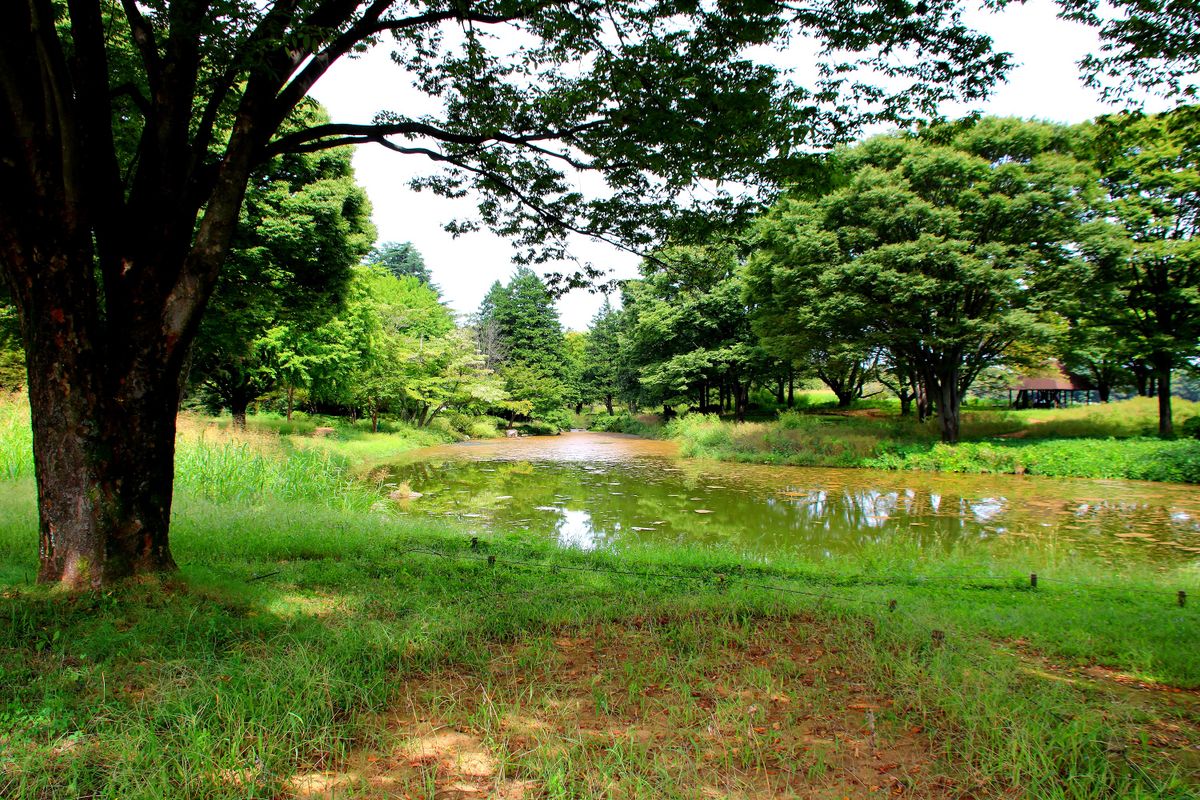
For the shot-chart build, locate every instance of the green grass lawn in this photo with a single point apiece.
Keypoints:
(317, 643)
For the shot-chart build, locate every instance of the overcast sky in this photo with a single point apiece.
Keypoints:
(1045, 85)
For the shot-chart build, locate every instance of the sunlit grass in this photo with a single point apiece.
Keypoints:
(312, 633)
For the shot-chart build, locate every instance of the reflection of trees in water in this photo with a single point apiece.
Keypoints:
(610, 504)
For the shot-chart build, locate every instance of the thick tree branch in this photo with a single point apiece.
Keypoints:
(345, 133)
(143, 38)
(270, 27)
(298, 87)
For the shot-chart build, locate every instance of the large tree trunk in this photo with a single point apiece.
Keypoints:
(112, 263)
(608, 403)
(948, 409)
(104, 454)
(1162, 377)
(237, 408)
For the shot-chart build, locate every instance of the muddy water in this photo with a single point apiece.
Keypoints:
(591, 490)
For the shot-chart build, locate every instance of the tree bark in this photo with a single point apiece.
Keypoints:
(608, 404)
(237, 408)
(104, 456)
(291, 400)
(1162, 377)
(948, 409)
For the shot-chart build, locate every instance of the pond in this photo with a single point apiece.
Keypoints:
(590, 490)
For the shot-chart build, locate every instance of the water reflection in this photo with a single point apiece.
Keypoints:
(592, 490)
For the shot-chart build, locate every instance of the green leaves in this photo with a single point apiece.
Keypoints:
(304, 224)
(935, 248)
(527, 346)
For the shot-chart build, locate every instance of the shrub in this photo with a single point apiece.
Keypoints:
(793, 420)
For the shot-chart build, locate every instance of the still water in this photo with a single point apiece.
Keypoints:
(591, 490)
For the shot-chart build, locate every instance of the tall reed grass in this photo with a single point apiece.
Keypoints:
(221, 465)
(16, 439)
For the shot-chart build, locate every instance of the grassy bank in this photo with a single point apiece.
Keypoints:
(303, 648)
(318, 644)
(1112, 441)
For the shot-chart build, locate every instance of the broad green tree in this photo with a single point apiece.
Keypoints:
(1145, 254)
(1097, 352)
(688, 332)
(942, 241)
(304, 224)
(448, 373)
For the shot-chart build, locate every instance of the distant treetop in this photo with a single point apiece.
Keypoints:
(400, 259)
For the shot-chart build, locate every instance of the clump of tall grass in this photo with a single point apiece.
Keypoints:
(646, 425)
(1011, 443)
(1135, 459)
(238, 472)
(219, 465)
(16, 439)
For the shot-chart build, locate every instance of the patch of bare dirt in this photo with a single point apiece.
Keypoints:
(656, 707)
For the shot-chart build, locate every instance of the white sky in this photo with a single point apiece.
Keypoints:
(1044, 85)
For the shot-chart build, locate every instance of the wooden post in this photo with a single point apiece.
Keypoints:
(491, 561)
(474, 542)
(1033, 580)
(1182, 598)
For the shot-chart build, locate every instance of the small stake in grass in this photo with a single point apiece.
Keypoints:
(1033, 580)
(938, 638)
(491, 561)
(474, 542)
(891, 605)
(1182, 598)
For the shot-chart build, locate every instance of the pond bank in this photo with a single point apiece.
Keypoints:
(1108, 442)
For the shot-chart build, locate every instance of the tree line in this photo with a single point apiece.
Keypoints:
(912, 263)
(918, 261)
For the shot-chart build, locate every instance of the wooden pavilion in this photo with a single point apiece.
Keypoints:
(1054, 391)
